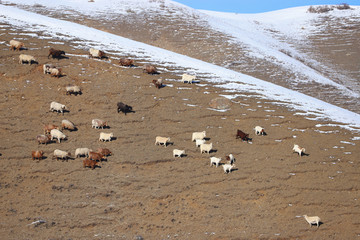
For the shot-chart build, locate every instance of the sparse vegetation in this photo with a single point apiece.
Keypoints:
(326, 8)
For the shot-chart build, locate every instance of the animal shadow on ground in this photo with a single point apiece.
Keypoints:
(60, 57)
(213, 151)
(88, 167)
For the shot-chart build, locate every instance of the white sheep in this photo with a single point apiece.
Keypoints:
(58, 107)
(198, 135)
(61, 154)
(95, 53)
(198, 142)
(215, 160)
(47, 67)
(230, 159)
(298, 149)
(16, 45)
(55, 133)
(66, 124)
(206, 148)
(73, 89)
(26, 58)
(259, 130)
(82, 152)
(106, 136)
(312, 220)
(98, 123)
(228, 167)
(188, 78)
(55, 72)
(162, 140)
(179, 153)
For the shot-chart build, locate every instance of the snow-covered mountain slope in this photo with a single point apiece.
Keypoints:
(316, 54)
(236, 83)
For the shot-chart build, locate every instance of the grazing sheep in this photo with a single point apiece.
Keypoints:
(82, 152)
(106, 136)
(58, 107)
(54, 53)
(198, 142)
(298, 149)
(179, 153)
(242, 135)
(16, 45)
(73, 89)
(90, 163)
(230, 159)
(104, 151)
(49, 127)
(215, 160)
(149, 69)
(96, 156)
(66, 124)
(43, 139)
(26, 58)
(55, 72)
(188, 78)
(198, 135)
(206, 148)
(122, 107)
(312, 220)
(228, 167)
(55, 133)
(259, 130)
(158, 83)
(162, 140)
(98, 123)
(126, 62)
(95, 53)
(61, 154)
(37, 155)
(47, 67)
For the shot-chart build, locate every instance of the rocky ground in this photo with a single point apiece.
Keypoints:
(142, 192)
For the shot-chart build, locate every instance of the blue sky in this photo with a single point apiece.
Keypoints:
(256, 6)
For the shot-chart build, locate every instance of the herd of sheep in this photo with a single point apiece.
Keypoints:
(92, 159)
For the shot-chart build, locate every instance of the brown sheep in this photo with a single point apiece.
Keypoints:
(126, 62)
(104, 151)
(149, 69)
(49, 127)
(89, 163)
(37, 155)
(54, 53)
(242, 135)
(96, 156)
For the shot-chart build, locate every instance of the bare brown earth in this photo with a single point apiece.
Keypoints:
(142, 192)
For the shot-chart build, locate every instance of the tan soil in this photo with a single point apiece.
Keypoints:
(142, 190)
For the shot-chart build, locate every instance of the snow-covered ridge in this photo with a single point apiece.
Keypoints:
(257, 31)
(101, 7)
(228, 79)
